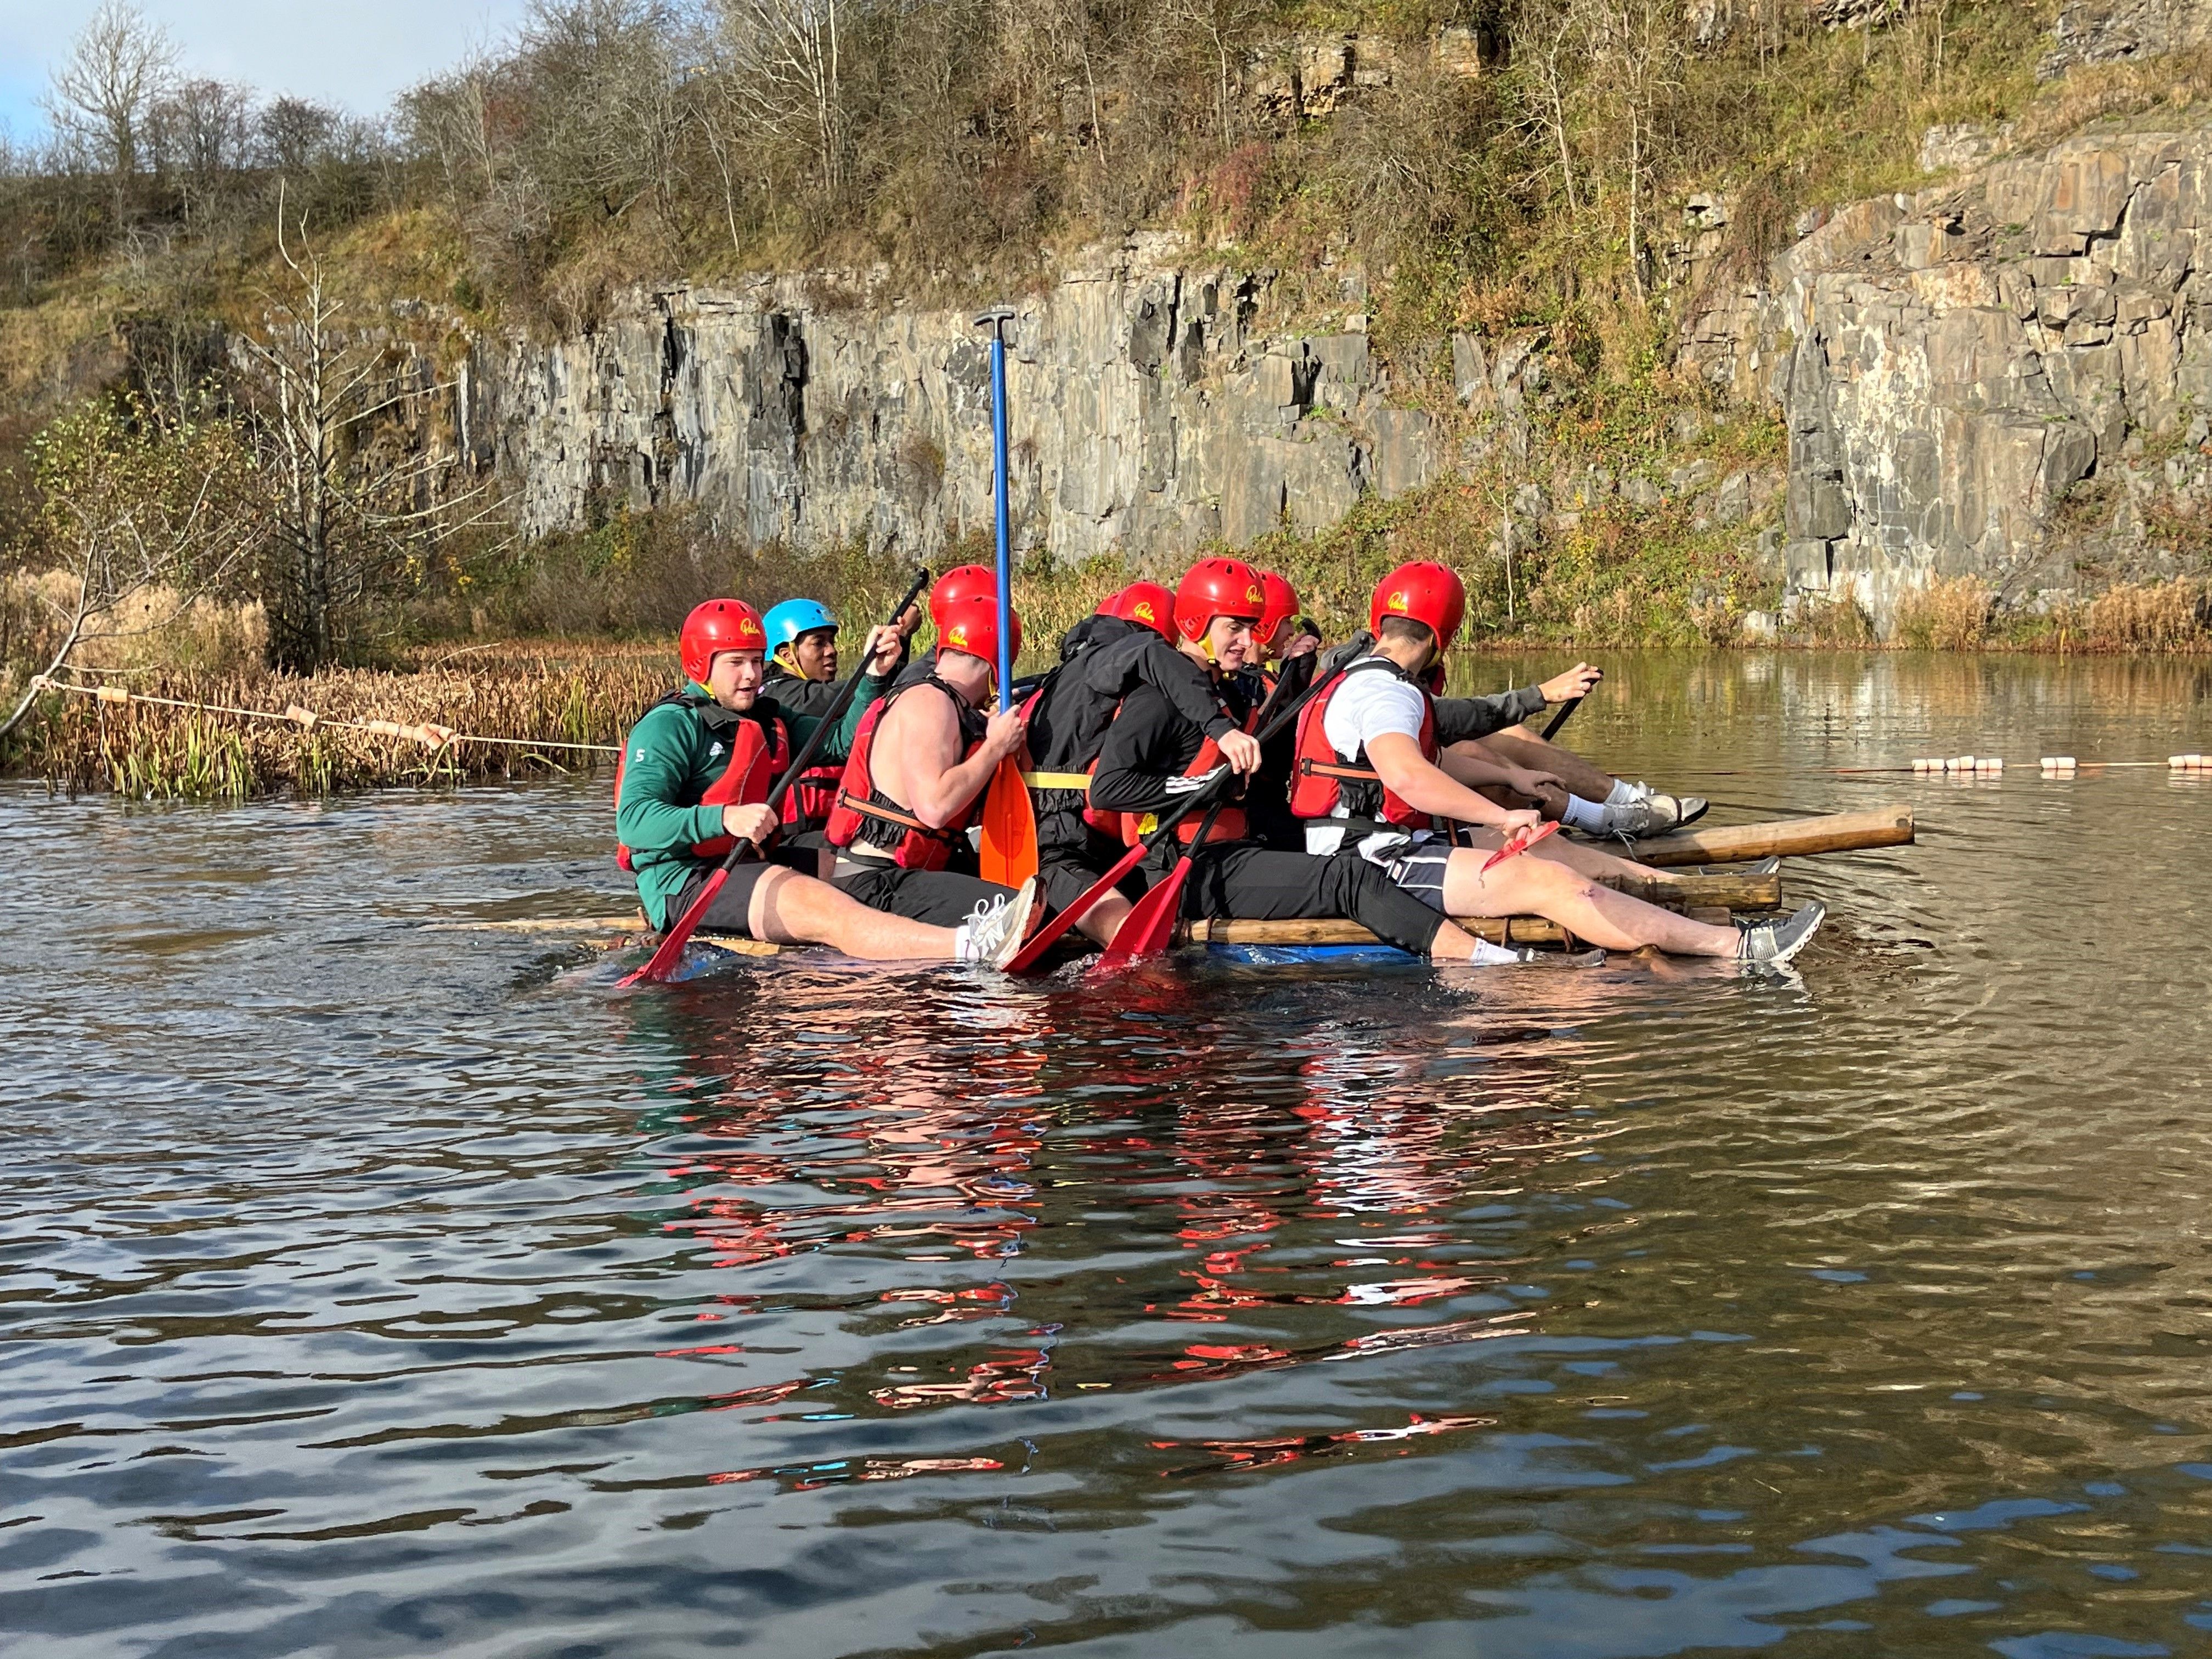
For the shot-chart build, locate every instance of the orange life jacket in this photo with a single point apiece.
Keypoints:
(1322, 777)
(863, 813)
(758, 757)
(1130, 828)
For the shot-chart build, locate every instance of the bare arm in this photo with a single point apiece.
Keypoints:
(924, 734)
(1397, 760)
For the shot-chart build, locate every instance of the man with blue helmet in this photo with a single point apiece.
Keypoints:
(802, 678)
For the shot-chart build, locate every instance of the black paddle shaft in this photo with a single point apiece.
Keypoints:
(1559, 720)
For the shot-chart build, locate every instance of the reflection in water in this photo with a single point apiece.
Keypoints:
(372, 1289)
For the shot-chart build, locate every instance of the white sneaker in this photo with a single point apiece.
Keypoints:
(996, 929)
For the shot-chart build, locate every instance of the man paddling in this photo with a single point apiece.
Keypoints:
(1154, 755)
(920, 764)
(696, 770)
(1104, 658)
(1373, 778)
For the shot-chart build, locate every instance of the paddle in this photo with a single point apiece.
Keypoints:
(1051, 934)
(672, 945)
(1007, 852)
(1552, 729)
(1149, 928)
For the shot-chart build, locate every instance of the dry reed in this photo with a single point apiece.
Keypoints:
(153, 750)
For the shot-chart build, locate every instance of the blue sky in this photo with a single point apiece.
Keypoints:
(347, 52)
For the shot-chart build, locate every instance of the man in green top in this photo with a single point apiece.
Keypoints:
(695, 775)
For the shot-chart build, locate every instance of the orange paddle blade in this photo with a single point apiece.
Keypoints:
(1008, 852)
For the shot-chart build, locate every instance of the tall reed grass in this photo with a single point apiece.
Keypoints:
(152, 751)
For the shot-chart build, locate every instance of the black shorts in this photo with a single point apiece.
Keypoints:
(944, 898)
(732, 906)
(1064, 876)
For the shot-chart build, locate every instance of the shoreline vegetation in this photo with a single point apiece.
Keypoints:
(533, 692)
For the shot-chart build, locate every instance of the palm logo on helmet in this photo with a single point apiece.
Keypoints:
(1423, 592)
(1217, 588)
(718, 627)
(971, 626)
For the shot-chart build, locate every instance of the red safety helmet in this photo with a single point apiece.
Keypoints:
(1145, 603)
(1217, 588)
(972, 626)
(1282, 604)
(717, 626)
(1424, 593)
(968, 582)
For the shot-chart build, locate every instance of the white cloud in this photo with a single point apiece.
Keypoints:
(356, 54)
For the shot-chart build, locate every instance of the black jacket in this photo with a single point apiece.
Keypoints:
(1111, 662)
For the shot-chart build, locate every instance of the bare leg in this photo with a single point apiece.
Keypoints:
(1529, 885)
(1102, 920)
(1585, 860)
(1452, 944)
(790, 908)
(1518, 746)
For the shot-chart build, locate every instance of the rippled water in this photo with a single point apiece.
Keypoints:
(373, 1288)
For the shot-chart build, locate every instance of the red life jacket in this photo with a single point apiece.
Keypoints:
(758, 756)
(812, 796)
(1230, 824)
(863, 813)
(1322, 777)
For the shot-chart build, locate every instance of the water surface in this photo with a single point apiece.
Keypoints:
(374, 1288)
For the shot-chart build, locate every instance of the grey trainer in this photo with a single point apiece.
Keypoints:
(1772, 944)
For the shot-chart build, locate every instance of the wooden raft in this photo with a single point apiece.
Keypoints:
(1710, 896)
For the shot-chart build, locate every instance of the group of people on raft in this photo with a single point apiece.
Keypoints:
(1383, 802)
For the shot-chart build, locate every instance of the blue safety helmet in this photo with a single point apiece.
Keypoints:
(787, 621)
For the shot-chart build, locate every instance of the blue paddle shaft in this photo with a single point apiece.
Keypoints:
(1006, 529)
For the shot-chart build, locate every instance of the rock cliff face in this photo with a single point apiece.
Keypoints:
(1950, 363)
(1149, 413)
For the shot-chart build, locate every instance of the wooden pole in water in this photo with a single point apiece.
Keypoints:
(1839, 832)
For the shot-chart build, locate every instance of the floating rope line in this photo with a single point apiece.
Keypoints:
(429, 734)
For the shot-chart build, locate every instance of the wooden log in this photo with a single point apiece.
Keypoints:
(1727, 890)
(742, 946)
(1507, 930)
(1839, 832)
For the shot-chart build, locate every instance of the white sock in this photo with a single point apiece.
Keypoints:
(1487, 955)
(1582, 816)
(964, 944)
(1624, 792)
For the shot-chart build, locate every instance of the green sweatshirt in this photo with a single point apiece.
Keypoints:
(672, 757)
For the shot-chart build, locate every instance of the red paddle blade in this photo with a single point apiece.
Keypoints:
(1149, 928)
(1054, 931)
(1008, 852)
(670, 956)
(1519, 841)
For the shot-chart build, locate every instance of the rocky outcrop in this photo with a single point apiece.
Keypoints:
(2115, 31)
(1151, 411)
(1951, 364)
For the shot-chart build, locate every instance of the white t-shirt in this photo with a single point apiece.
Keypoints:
(1368, 703)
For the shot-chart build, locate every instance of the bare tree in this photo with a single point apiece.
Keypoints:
(783, 71)
(343, 518)
(295, 135)
(133, 510)
(104, 91)
(200, 134)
